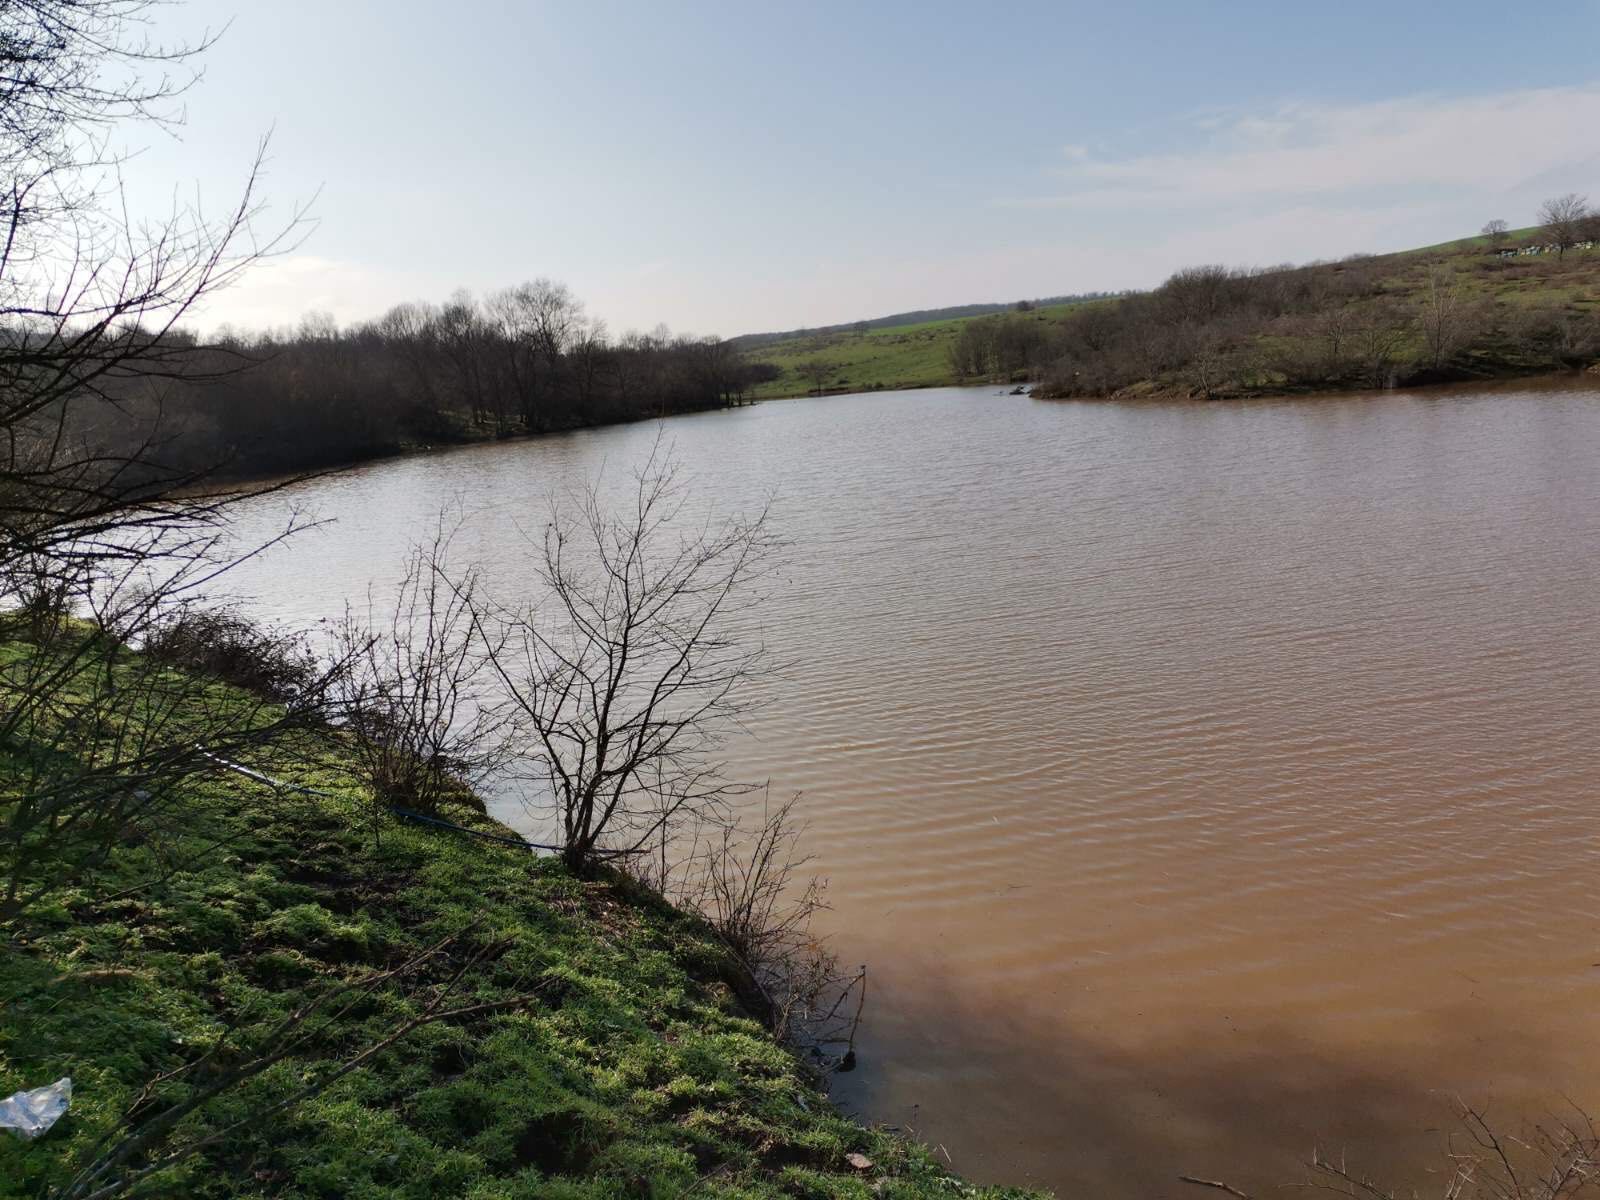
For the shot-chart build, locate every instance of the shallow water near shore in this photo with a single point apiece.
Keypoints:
(1202, 782)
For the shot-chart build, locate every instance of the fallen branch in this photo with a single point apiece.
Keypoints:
(1215, 1183)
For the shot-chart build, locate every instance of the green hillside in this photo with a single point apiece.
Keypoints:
(1532, 313)
(906, 356)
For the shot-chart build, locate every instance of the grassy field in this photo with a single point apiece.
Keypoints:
(1546, 278)
(918, 355)
(623, 1065)
(907, 356)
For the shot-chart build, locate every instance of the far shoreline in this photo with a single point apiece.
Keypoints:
(1575, 379)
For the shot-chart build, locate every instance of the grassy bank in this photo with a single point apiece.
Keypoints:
(621, 1064)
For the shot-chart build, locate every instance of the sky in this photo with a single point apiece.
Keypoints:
(727, 168)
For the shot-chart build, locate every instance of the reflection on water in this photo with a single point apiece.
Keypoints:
(1201, 782)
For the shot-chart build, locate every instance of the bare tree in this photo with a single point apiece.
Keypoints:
(817, 372)
(1496, 231)
(97, 523)
(1334, 328)
(1197, 295)
(1447, 317)
(587, 349)
(1380, 335)
(629, 673)
(1212, 358)
(1563, 220)
(539, 322)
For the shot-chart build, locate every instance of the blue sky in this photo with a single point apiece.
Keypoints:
(725, 168)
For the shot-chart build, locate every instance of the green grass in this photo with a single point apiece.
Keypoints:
(1479, 241)
(633, 1071)
(907, 356)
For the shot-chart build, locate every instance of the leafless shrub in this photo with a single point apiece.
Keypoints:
(411, 693)
(40, 593)
(1558, 333)
(756, 896)
(747, 878)
(1448, 317)
(224, 643)
(1377, 341)
(749, 885)
(1552, 1159)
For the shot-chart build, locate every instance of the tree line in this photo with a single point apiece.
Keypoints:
(1212, 328)
(1002, 346)
(526, 359)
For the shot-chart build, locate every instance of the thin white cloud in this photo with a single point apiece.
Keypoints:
(279, 290)
(1503, 143)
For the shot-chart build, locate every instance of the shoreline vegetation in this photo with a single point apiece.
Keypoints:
(594, 1041)
(528, 361)
(1506, 304)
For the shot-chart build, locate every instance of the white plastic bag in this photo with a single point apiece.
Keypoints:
(28, 1114)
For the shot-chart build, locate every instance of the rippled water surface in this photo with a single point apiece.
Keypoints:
(1201, 782)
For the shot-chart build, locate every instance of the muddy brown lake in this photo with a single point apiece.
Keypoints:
(1203, 783)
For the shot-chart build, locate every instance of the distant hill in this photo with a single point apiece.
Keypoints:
(921, 316)
(1455, 310)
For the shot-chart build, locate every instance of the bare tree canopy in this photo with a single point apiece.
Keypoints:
(630, 672)
(1563, 219)
(91, 295)
(69, 68)
(817, 372)
(1447, 317)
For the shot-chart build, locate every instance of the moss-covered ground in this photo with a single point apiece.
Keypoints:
(624, 1065)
